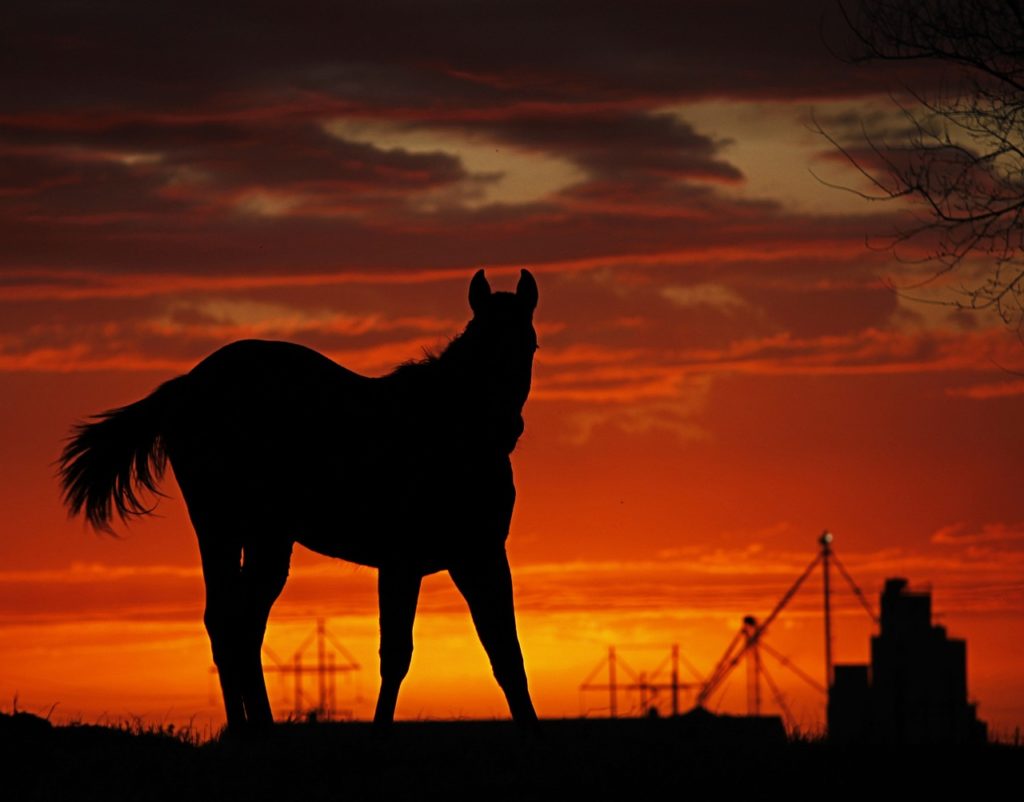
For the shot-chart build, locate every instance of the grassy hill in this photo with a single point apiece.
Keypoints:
(486, 760)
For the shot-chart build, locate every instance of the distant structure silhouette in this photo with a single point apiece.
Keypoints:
(331, 658)
(916, 690)
(273, 444)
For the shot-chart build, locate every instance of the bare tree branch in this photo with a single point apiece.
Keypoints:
(960, 158)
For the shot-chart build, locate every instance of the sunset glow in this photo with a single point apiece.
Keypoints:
(724, 368)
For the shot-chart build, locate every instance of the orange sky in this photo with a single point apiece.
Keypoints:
(723, 371)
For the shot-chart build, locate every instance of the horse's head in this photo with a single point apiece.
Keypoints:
(505, 341)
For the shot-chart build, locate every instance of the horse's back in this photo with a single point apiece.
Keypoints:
(257, 417)
(257, 363)
(274, 386)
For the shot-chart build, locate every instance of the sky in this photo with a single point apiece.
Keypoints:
(725, 368)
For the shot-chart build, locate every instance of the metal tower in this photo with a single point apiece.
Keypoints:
(648, 684)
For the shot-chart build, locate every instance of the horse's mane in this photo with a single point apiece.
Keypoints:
(433, 362)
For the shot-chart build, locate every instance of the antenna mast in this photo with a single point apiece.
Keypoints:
(826, 553)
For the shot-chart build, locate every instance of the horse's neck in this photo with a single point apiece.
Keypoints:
(452, 391)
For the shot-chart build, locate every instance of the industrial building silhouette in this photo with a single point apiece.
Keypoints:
(915, 690)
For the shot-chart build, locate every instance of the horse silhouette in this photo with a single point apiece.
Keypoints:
(273, 444)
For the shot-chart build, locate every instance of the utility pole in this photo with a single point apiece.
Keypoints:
(321, 664)
(647, 684)
(675, 679)
(751, 635)
(326, 668)
(826, 554)
(612, 685)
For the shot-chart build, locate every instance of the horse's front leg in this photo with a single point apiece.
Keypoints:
(486, 583)
(398, 589)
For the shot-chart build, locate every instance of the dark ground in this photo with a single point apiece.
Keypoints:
(626, 759)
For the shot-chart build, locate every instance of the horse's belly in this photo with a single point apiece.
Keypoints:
(426, 553)
(342, 548)
(428, 524)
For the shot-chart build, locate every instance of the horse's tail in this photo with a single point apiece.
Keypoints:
(106, 463)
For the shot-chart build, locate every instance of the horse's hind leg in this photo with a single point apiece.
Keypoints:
(239, 594)
(221, 573)
(264, 572)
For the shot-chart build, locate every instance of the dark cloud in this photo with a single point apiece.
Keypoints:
(199, 143)
(143, 167)
(594, 220)
(618, 144)
(391, 54)
(232, 153)
(78, 188)
(151, 138)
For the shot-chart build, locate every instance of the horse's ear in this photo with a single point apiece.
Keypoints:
(479, 292)
(526, 290)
